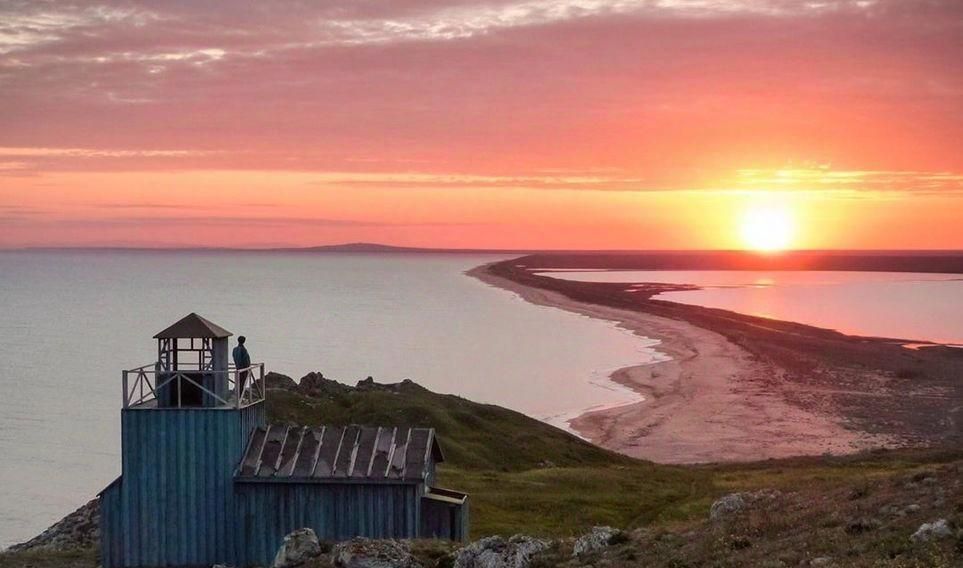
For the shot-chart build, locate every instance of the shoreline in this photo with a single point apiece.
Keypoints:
(715, 399)
(686, 415)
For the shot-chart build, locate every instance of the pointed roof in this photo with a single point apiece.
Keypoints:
(193, 325)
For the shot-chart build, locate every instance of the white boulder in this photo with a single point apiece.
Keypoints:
(594, 541)
(931, 531)
(727, 505)
(496, 552)
(367, 553)
(297, 548)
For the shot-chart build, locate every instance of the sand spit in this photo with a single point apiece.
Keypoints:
(712, 401)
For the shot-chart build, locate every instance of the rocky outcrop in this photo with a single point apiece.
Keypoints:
(278, 381)
(597, 539)
(726, 506)
(932, 531)
(406, 385)
(298, 547)
(80, 529)
(496, 552)
(314, 384)
(367, 553)
(733, 503)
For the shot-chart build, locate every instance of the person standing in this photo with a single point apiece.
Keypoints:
(242, 361)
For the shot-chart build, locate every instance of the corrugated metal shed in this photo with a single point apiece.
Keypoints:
(194, 326)
(335, 511)
(340, 453)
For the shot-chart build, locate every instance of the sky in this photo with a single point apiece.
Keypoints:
(592, 124)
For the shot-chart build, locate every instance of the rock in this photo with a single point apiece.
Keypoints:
(496, 552)
(405, 386)
(929, 531)
(727, 505)
(367, 553)
(298, 547)
(274, 380)
(594, 541)
(80, 529)
(912, 508)
(314, 384)
(821, 561)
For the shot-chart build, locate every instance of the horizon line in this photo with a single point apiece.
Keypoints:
(365, 247)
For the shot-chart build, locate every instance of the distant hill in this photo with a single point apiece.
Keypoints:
(357, 247)
(368, 247)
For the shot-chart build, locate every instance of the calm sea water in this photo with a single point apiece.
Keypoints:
(71, 321)
(926, 307)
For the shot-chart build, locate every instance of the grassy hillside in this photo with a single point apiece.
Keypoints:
(523, 475)
(527, 477)
(473, 435)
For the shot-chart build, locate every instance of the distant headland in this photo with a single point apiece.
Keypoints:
(944, 261)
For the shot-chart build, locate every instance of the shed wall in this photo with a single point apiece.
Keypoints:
(444, 520)
(336, 511)
(111, 547)
(176, 498)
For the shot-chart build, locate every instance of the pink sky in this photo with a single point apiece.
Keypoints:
(508, 123)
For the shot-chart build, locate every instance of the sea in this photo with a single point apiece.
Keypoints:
(71, 321)
(915, 307)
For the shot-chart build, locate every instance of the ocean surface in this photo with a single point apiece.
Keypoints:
(911, 306)
(71, 321)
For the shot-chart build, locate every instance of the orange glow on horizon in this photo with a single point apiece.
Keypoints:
(257, 209)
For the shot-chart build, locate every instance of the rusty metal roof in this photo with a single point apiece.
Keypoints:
(193, 325)
(339, 453)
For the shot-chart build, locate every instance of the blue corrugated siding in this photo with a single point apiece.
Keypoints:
(111, 548)
(175, 505)
(269, 511)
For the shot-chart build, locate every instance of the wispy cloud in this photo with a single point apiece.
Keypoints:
(659, 94)
(24, 217)
(41, 152)
(825, 178)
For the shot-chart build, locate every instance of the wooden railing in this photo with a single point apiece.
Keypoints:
(144, 385)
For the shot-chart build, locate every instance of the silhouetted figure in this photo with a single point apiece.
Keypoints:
(242, 360)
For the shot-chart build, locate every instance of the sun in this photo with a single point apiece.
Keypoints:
(767, 228)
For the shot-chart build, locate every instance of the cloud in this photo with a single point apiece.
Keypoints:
(827, 179)
(669, 93)
(28, 161)
(812, 179)
(31, 24)
(91, 153)
(46, 218)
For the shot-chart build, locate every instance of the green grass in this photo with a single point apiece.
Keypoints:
(472, 435)
(49, 559)
(526, 476)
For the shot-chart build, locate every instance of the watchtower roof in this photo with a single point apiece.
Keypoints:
(194, 326)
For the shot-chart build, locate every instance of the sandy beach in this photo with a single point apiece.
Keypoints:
(715, 399)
